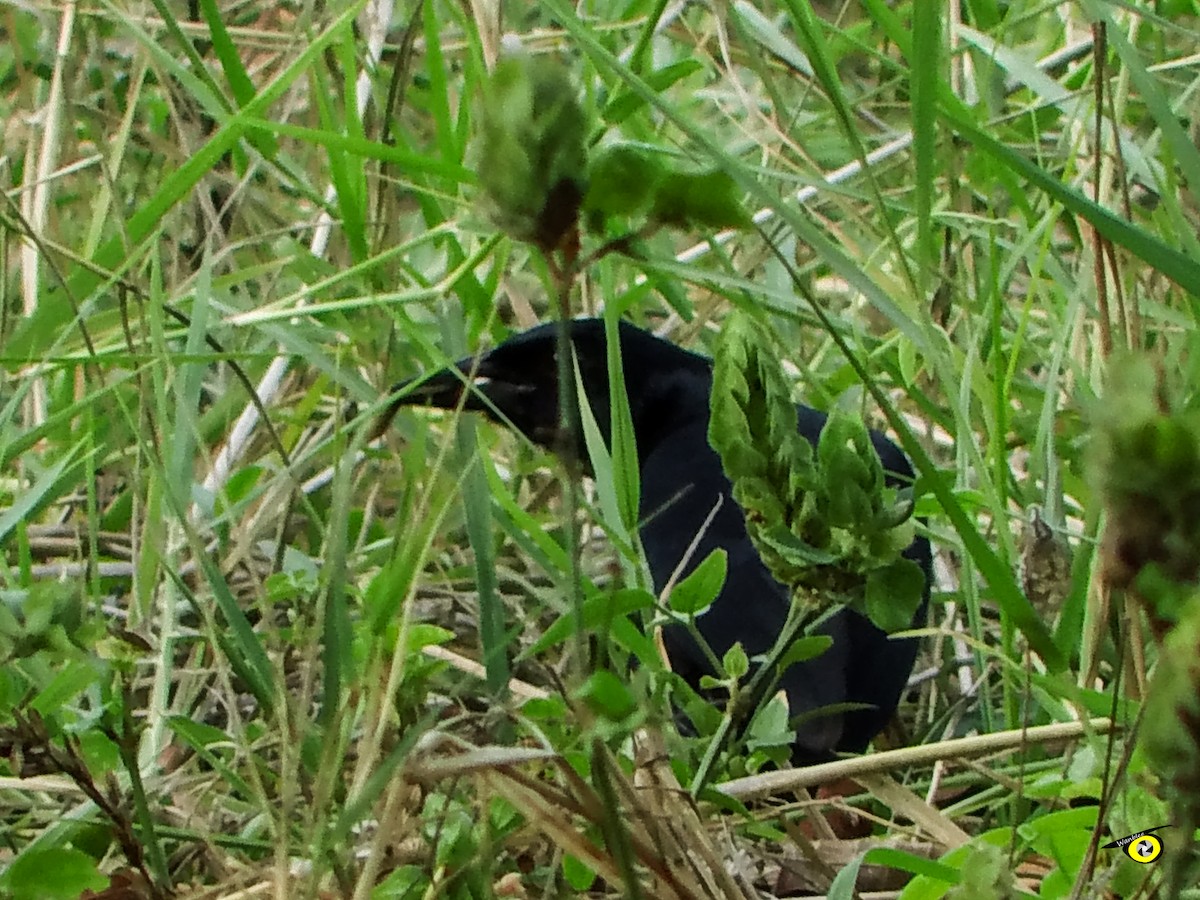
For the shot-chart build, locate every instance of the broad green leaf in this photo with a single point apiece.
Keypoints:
(893, 595)
(54, 873)
(700, 588)
(623, 180)
(607, 695)
(699, 200)
(735, 662)
(803, 649)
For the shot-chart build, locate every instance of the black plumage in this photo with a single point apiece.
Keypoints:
(681, 480)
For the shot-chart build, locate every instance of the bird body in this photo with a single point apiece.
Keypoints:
(682, 486)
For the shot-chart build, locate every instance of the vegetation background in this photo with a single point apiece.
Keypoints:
(236, 622)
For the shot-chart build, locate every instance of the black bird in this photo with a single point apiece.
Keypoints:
(681, 482)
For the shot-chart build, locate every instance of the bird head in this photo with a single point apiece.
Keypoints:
(516, 383)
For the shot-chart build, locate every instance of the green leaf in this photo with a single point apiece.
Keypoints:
(904, 861)
(845, 503)
(401, 884)
(42, 491)
(893, 594)
(345, 170)
(701, 587)
(577, 874)
(796, 551)
(241, 644)
(623, 180)
(709, 200)
(803, 649)
(69, 682)
(925, 79)
(426, 634)
(846, 455)
(360, 146)
(772, 39)
(56, 873)
(607, 695)
(625, 471)
(842, 886)
(896, 513)
(986, 874)
(625, 103)
(215, 747)
(769, 727)
(239, 80)
(618, 497)
(600, 610)
(735, 662)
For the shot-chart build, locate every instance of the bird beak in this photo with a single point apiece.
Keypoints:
(474, 383)
(442, 390)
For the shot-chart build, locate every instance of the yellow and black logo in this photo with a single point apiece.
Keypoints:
(1142, 846)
